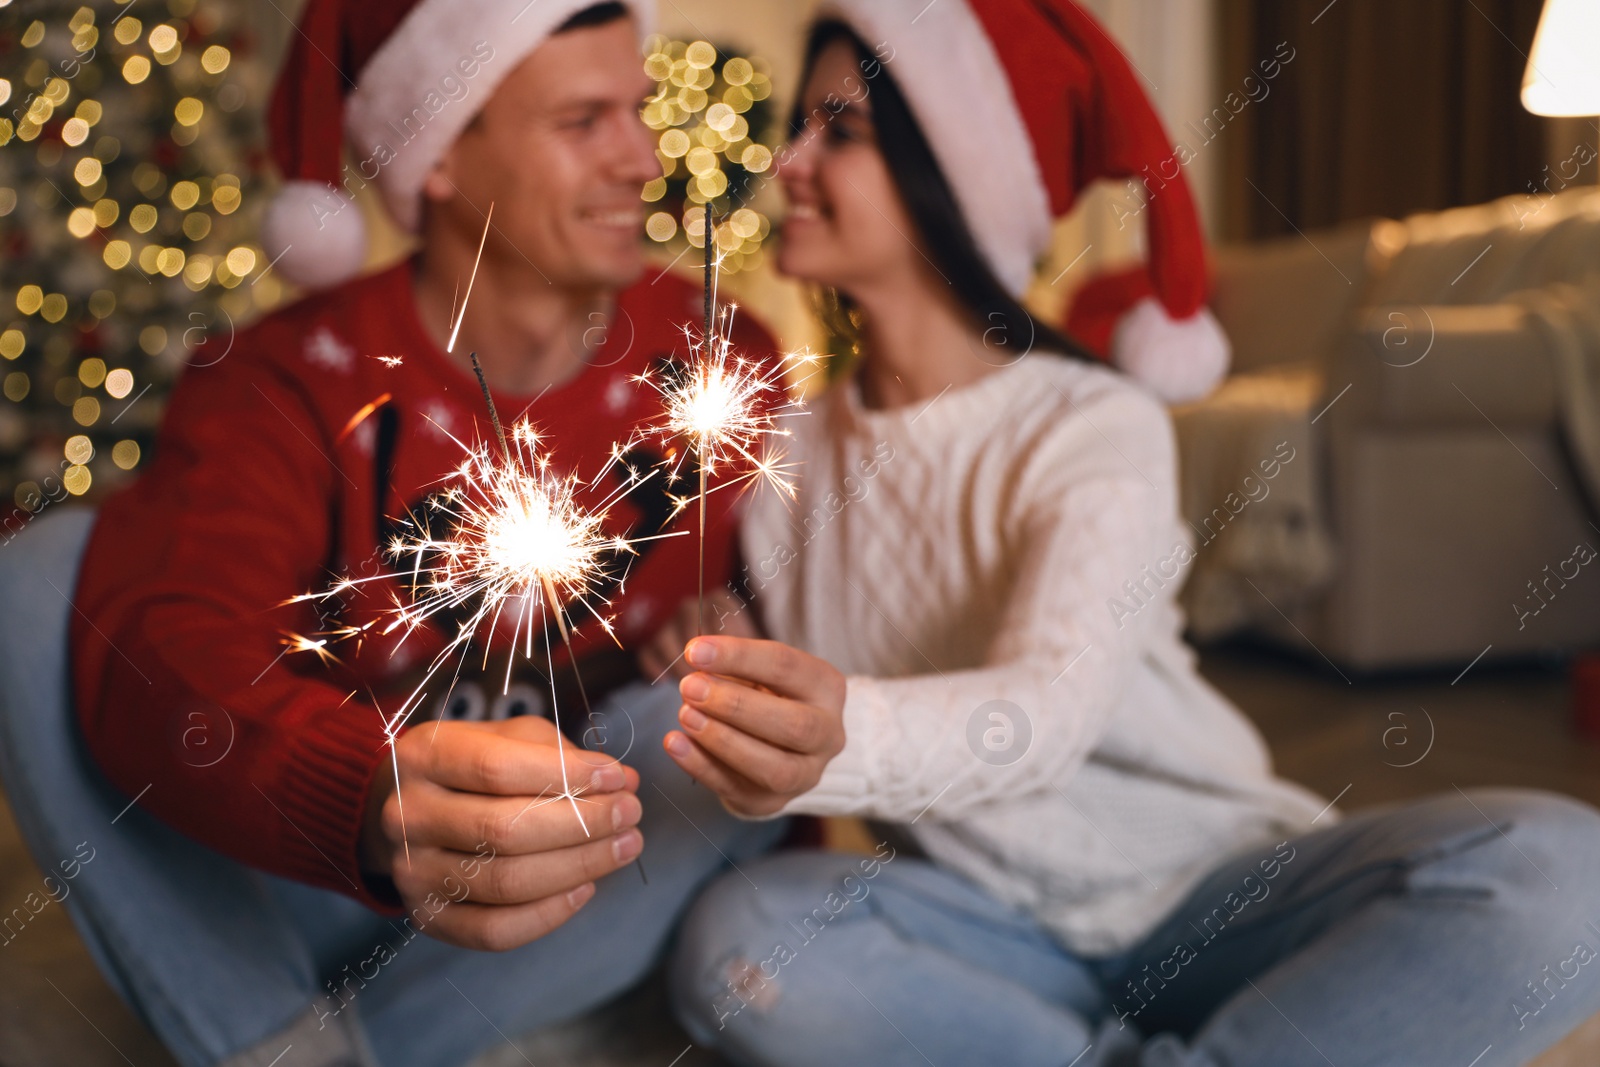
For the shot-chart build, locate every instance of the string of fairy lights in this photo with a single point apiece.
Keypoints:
(128, 170)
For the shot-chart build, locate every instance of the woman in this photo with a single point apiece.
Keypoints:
(1085, 857)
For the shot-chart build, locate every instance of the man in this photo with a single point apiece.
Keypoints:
(284, 466)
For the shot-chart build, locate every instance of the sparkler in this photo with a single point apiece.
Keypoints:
(724, 406)
(522, 542)
(520, 545)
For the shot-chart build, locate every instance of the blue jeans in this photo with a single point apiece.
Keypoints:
(1459, 930)
(218, 958)
(411, 1013)
(221, 961)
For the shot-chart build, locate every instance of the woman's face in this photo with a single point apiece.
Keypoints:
(847, 227)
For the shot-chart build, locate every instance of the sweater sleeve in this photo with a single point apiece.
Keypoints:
(184, 698)
(1093, 505)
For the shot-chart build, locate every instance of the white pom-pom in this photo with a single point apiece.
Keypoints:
(314, 235)
(1177, 359)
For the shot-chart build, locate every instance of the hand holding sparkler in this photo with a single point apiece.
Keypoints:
(522, 544)
(761, 721)
(485, 828)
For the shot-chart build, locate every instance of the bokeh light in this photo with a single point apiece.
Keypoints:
(214, 60)
(128, 139)
(703, 110)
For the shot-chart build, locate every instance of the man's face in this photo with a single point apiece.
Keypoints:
(562, 153)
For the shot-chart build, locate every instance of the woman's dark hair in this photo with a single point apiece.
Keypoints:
(946, 236)
(594, 15)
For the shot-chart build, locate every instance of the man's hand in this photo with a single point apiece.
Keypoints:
(489, 832)
(762, 727)
(726, 614)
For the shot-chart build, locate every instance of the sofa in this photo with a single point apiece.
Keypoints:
(1401, 469)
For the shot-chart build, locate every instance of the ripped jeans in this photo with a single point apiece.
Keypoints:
(1458, 931)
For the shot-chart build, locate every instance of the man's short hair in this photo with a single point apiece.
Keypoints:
(595, 15)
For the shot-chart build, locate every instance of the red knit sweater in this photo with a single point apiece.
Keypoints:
(259, 490)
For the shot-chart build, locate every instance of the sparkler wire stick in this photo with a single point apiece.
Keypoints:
(710, 270)
(709, 230)
(716, 405)
(700, 600)
(549, 591)
(494, 414)
(708, 341)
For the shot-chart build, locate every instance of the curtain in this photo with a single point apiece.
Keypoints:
(1385, 108)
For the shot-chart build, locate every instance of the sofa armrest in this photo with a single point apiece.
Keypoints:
(1410, 366)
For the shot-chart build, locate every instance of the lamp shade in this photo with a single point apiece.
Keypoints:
(1563, 75)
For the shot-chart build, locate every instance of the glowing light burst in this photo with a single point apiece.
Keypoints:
(534, 534)
(724, 408)
(521, 543)
(517, 530)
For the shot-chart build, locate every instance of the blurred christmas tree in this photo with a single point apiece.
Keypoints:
(126, 160)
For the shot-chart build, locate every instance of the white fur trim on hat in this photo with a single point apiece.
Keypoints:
(961, 95)
(1177, 359)
(313, 234)
(404, 115)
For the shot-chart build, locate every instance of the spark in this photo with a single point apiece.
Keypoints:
(456, 329)
(390, 361)
(363, 413)
(319, 646)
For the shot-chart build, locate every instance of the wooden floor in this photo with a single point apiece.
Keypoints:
(1367, 741)
(1379, 740)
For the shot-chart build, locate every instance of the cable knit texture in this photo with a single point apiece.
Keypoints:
(1017, 540)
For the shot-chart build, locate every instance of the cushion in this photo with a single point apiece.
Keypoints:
(1290, 300)
(1414, 366)
(1480, 254)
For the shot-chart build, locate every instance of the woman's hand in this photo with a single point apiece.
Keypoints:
(761, 720)
(725, 614)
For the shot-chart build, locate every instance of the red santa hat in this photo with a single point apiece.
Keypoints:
(1054, 104)
(397, 82)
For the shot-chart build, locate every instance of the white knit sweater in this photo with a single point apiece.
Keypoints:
(1017, 540)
